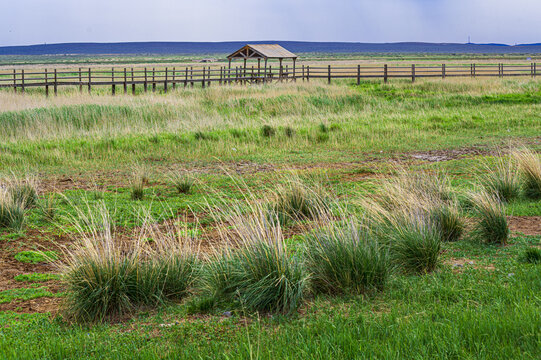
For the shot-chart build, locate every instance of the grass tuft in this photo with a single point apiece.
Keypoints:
(530, 171)
(258, 274)
(531, 256)
(491, 226)
(181, 182)
(501, 179)
(267, 131)
(346, 259)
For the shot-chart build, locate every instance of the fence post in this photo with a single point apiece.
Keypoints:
(89, 80)
(534, 69)
(191, 75)
(474, 72)
(174, 83)
(165, 82)
(14, 80)
(113, 86)
(125, 84)
(443, 71)
(186, 78)
(329, 74)
(153, 79)
(22, 81)
(502, 71)
(132, 83)
(210, 74)
(413, 73)
(385, 73)
(80, 81)
(307, 73)
(221, 75)
(46, 83)
(145, 84)
(471, 70)
(55, 85)
(203, 81)
(358, 74)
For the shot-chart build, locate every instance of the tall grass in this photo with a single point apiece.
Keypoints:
(491, 223)
(501, 178)
(16, 196)
(107, 276)
(295, 200)
(345, 258)
(255, 272)
(530, 170)
(12, 213)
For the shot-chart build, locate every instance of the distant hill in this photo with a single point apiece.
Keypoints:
(202, 48)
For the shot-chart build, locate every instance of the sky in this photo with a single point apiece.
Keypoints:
(26, 22)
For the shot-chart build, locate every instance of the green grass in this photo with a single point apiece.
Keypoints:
(35, 257)
(255, 302)
(36, 277)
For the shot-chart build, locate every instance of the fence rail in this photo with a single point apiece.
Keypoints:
(86, 78)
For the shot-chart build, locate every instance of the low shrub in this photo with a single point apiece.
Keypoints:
(289, 132)
(345, 259)
(491, 226)
(530, 171)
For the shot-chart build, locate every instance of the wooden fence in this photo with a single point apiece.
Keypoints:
(166, 78)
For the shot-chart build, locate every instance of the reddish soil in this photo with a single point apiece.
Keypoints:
(527, 225)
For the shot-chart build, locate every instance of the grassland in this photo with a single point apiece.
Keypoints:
(481, 302)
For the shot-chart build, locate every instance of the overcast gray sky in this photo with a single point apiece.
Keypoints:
(51, 21)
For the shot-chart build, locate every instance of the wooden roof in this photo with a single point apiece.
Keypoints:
(265, 51)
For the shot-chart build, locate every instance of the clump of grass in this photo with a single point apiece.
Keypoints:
(258, 274)
(12, 213)
(267, 131)
(137, 191)
(448, 220)
(289, 132)
(181, 181)
(107, 277)
(530, 171)
(415, 243)
(296, 200)
(531, 255)
(491, 226)
(501, 179)
(346, 259)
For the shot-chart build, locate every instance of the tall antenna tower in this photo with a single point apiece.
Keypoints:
(469, 39)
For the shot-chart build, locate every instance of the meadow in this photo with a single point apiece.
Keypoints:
(285, 220)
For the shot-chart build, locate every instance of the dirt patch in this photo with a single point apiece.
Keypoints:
(459, 264)
(527, 225)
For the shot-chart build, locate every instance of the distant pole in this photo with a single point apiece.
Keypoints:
(329, 74)
(165, 82)
(132, 83)
(145, 84)
(89, 80)
(80, 81)
(55, 85)
(125, 85)
(113, 86)
(46, 83)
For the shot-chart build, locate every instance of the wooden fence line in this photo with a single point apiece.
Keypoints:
(23, 79)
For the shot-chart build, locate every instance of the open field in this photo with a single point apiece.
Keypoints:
(215, 166)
